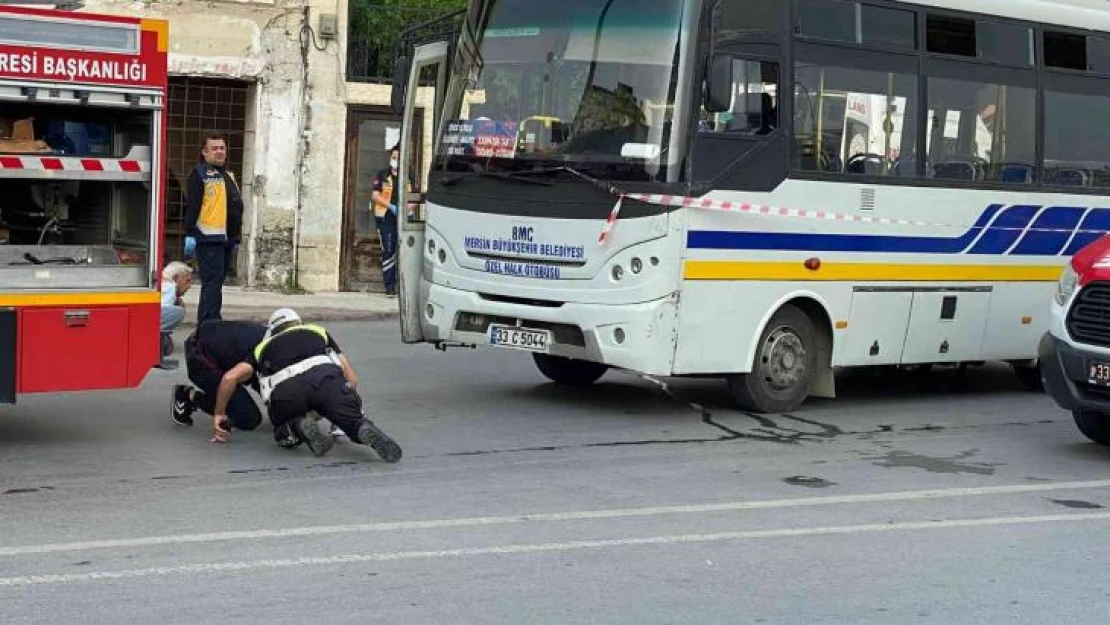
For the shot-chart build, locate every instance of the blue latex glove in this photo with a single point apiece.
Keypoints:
(190, 246)
(393, 209)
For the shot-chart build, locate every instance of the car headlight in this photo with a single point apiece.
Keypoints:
(1066, 285)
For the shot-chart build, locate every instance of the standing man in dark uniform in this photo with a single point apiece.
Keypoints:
(213, 223)
(212, 350)
(301, 369)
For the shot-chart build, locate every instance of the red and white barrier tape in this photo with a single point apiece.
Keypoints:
(55, 163)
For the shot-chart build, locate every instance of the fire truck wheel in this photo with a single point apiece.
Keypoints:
(1094, 425)
(784, 366)
(1030, 377)
(569, 372)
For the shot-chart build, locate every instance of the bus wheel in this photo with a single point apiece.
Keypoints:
(1029, 377)
(569, 372)
(785, 363)
(1094, 425)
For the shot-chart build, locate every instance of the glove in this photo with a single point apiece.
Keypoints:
(190, 246)
(393, 209)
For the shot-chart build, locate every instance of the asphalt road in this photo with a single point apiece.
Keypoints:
(942, 499)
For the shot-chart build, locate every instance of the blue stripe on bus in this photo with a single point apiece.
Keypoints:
(1001, 234)
(1092, 228)
(990, 235)
(1037, 242)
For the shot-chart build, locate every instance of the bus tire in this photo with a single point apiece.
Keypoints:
(784, 365)
(1029, 376)
(1093, 424)
(569, 372)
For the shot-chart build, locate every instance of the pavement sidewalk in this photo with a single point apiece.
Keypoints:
(252, 305)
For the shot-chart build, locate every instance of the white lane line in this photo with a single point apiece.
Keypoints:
(221, 567)
(585, 515)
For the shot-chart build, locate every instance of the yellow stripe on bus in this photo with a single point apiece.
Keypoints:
(77, 299)
(868, 272)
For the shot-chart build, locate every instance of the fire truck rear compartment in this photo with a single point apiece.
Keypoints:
(75, 203)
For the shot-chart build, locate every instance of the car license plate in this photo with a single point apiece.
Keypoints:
(519, 338)
(1098, 373)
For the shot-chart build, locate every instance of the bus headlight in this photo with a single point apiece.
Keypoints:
(1066, 285)
(637, 265)
(618, 273)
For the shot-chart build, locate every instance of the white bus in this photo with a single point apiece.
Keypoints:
(803, 185)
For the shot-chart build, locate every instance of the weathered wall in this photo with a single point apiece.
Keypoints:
(260, 41)
(293, 170)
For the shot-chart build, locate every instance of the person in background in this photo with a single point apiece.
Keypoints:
(383, 201)
(213, 223)
(177, 277)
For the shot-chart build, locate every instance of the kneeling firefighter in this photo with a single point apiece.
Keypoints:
(301, 369)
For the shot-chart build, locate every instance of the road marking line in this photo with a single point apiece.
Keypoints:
(585, 515)
(218, 567)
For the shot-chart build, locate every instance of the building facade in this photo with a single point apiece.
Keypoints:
(304, 138)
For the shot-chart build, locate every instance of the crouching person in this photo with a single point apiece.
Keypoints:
(301, 369)
(213, 349)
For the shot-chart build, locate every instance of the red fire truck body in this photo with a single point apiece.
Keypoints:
(82, 189)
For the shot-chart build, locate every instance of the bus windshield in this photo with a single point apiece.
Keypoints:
(583, 83)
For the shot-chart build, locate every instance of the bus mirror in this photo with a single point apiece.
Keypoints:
(400, 82)
(719, 84)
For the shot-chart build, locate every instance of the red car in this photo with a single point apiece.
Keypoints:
(1075, 352)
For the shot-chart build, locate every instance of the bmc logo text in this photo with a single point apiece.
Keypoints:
(523, 233)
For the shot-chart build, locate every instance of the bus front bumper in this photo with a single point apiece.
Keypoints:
(638, 337)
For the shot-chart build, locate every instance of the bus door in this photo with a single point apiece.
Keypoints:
(427, 79)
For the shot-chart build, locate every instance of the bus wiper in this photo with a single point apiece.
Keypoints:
(599, 184)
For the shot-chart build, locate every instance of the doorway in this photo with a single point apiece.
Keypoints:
(195, 108)
(371, 132)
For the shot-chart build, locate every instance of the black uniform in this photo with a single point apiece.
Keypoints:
(213, 349)
(323, 388)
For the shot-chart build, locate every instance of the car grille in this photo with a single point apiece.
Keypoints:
(1089, 318)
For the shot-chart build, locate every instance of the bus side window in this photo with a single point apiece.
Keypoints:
(754, 108)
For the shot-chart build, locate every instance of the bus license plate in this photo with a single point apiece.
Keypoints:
(519, 338)
(1098, 373)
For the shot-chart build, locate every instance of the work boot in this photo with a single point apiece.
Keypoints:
(182, 406)
(285, 438)
(386, 447)
(317, 441)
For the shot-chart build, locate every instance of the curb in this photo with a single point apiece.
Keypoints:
(262, 315)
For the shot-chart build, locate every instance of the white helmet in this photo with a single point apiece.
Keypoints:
(282, 316)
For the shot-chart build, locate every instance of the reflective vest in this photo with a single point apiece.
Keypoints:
(267, 384)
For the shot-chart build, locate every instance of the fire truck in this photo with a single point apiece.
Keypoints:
(82, 184)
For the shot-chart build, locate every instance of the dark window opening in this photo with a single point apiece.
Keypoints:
(950, 35)
(1065, 50)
